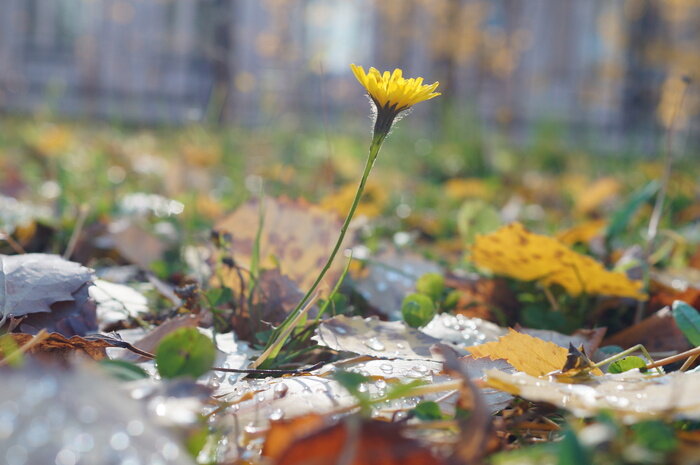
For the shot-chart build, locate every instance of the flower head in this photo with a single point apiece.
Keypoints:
(392, 94)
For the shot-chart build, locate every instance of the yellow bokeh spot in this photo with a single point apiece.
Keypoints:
(372, 204)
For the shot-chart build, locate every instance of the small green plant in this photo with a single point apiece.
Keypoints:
(185, 352)
(417, 310)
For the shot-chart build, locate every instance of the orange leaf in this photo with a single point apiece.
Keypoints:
(354, 441)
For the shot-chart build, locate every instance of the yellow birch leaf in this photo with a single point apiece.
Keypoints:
(516, 252)
(526, 353)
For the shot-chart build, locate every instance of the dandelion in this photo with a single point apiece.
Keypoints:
(391, 95)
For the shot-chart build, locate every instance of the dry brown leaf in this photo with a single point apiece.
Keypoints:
(296, 237)
(57, 346)
(136, 244)
(274, 296)
(516, 252)
(526, 353)
(478, 298)
(658, 333)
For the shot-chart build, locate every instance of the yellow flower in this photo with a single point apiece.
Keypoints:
(392, 94)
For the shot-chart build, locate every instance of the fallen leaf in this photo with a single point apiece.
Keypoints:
(283, 433)
(369, 336)
(49, 291)
(475, 429)
(149, 342)
(670, 285)
(135, 243)
(484, 298)
(476, 368)
(389, 276)
(658, 333)
(296, 237)
(352, 441)
(274, 297)
(526, 353)
(590, 339)
(463, 331)
(516, 252)
(57, 346)
(116, 302)
(630, 395)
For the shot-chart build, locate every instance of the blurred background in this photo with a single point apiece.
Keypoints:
(553, 112)
(603, 71)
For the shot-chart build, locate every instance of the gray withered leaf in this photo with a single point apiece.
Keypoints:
(36, 283)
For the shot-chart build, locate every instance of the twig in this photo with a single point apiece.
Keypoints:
(687, 364)
(260, 371)
(79, 223)
(624, 353)
(674, 358)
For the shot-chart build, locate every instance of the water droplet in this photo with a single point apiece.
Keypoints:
(362, 388)
(422, 369)
(374, 344)
(380, 384)
(276, 414)
(280, 390)
(340, 330)
(386, 368)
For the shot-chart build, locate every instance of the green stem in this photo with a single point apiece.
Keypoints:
(373, 153)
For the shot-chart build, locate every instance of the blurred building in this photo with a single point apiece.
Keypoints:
(596, 66)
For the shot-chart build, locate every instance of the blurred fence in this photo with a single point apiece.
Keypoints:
(606, 67)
